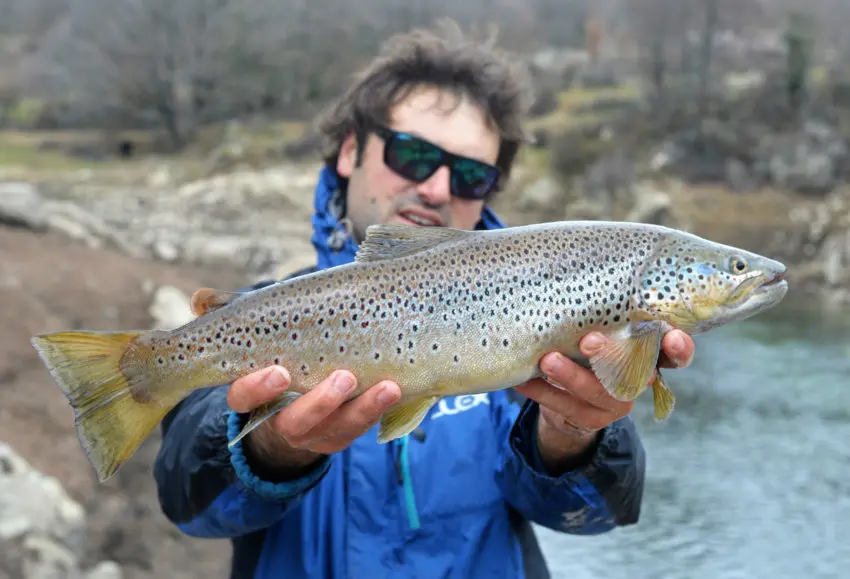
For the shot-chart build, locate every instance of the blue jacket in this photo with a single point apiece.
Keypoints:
(451, 500)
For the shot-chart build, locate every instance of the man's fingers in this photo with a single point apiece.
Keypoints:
(294, 421)
(572, 411)
(252, 390)
(677, 350)
(580, 382)
(353, 419)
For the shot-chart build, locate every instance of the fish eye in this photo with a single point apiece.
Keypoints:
(738, 265)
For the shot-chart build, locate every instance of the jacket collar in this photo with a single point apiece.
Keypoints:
(334, 246)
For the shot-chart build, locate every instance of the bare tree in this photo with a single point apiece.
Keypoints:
(170, 63)
(30, 17)
(676, 42)
(658, 32)
(179, 64)
(709, 30)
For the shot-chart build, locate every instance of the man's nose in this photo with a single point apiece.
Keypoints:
(437, 189)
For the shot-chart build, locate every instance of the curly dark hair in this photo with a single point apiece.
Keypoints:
(495, 80)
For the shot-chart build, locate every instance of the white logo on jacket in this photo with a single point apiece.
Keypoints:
(458, 404)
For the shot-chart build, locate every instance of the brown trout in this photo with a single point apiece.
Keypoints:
(440, 311)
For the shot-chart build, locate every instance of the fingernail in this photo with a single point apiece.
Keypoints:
(343, 383)
(552, 364)
(677, 344)
(276, 379)
(385, 397)
(592, 343)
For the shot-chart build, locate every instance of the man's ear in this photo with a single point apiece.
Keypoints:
(347, 159)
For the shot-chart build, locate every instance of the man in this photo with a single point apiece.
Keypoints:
(311, 493)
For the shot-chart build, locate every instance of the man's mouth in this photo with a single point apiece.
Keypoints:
(422, 217)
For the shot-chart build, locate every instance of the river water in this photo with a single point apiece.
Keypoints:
(750, 476)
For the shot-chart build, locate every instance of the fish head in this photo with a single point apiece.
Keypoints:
(696, 285)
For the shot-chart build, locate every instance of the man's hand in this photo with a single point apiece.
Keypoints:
(319, 422)
(574, 412)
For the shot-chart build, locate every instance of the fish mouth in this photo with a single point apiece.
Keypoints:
(777, 279)
(759, 292)
(765, 295)
(758, 285)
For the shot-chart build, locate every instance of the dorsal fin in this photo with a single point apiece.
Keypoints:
(390, 241)
(207, 299)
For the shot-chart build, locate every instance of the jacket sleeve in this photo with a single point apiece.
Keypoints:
(594, 498)
(208, 489)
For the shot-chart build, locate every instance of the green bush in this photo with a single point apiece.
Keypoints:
(574, 151)
(26, 113)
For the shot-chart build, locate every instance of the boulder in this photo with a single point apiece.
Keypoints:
(22, 205)
(42, 530)
(256, 219)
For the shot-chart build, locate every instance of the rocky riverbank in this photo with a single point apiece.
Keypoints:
(254, 220)
(258, 221)
(49, 282)
(81, 253)
(42, 530)
(819, 246)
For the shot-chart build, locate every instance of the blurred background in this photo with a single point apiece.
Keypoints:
(151, 147)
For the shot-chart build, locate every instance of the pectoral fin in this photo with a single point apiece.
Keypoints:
(404, 418)
(663, 399)
(625, 365)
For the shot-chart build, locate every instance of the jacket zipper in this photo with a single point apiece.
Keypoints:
(404, 479)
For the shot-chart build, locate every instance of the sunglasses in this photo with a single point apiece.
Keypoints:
(416, 159)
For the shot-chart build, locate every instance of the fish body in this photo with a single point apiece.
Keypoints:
(440, 311)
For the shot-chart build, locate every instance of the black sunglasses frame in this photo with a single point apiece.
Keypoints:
(447, 158)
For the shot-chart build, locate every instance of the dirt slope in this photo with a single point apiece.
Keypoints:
(48, 283)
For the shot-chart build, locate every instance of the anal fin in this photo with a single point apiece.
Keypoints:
(404, 418)
(625, 365)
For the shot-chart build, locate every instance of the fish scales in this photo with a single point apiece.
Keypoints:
(474, 316)
(439, 311)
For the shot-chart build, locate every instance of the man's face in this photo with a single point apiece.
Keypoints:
(376, 194)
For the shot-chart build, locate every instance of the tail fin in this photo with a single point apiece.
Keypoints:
(111, 424)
